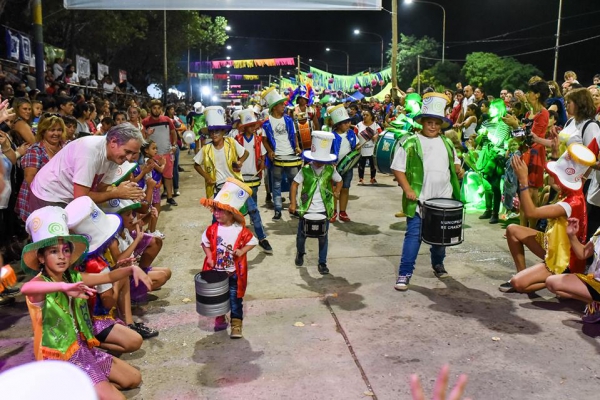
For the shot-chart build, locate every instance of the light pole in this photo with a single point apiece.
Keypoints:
(326, 65)
(358, 32)
(554, 75)
(443, 22)
(347, 58)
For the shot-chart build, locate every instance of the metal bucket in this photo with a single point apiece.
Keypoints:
(212, 293)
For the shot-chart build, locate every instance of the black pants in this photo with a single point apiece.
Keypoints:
(492, 199)
(361, 167)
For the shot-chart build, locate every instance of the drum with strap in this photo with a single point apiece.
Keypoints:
(212, 293)
(348, 162)
(442, 222)
(314, 225)
(251, 180)
(287, 161)
(304, 131)
(385, 149)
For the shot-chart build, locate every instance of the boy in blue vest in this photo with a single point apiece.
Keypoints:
(317, 195)
(426, 167)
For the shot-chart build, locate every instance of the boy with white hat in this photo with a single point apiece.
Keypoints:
(223, 159)
(426, 167)
(317, 195)
(281, 142)
(225, 244)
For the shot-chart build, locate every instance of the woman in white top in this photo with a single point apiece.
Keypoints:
(369, 127)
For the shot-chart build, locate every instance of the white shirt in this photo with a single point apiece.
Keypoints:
(226, 238)
(317, 205)
(222, 169)
(282, 141)
(466, 101)
(82, 161)
(368, 148)
(249, 166)
(436, 172)
(344, 146)
(109, 87)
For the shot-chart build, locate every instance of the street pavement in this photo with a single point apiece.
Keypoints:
(349, 335)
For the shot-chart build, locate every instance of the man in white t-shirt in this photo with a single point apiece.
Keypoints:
(85, 167)
(469, 98)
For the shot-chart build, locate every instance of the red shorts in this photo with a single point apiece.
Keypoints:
(168, 171)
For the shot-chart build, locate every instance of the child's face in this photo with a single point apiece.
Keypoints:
(105, 127)
(120, 118)
(251, 130)
(71, 130)
(513, 146)
(128, 219)
(484, 108)
(223, 217)
(56, 258)
(343, 127)
(37, 109)
(152, 150)
(431, 127)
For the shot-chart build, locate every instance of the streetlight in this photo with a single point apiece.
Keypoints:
(358, 32)
(347, 58)
(443, 23)
(228, 28)
(228, 47)
(326, 65)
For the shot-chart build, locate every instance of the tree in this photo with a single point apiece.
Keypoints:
(409, 47)
(494, 73)
(442, 75)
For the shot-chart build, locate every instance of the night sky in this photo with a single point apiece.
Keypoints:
(288, 34)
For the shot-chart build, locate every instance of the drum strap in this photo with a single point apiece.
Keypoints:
(257, 149)
(309, 186)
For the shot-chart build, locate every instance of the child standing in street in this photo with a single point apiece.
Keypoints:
(317, 195)
(426, 167)
(225, 244)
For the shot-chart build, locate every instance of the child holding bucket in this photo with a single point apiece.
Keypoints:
(317, 195)
(225, 244)
(426, 167)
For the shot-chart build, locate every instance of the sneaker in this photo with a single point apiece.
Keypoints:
(506, 287)
(494, 219)
(373, 181)
(277, 216)
(323, 270)
(177, 193)
(180, 169)
(592, 313)
(236, 329)
(269, 199)
(439, 271)
(12, 291)
(143, 330)
(361, 181)
(295, 215)
(265, 246)
(402, 282)
(158, 234)
(486, 215)
(172, 202)
(299, 261)
(344, 217)
(334, 218)
(400, 215)
(221, 323)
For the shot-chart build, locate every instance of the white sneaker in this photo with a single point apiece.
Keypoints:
(158, 234)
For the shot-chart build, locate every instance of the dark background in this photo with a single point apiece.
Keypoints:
(518, 26)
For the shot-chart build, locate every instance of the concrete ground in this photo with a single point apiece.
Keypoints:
(350, 335)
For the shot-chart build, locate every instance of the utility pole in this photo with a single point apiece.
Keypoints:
(298, 79)
(394, 46)
(554, 75)
(38, 44)
(418, 74)
(189, 96)
(165, 51)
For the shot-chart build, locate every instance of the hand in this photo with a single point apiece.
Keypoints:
(5, 112)
(439, 390)
(238, 253)
(139, 233)
(149, 131)
(292, 208)
(4, 141)
(336, 195)
(22, 149)
(210, 182)
(511, 121)
(139, 275)
(127, 262)
(271, 155)
(572, 226)
(460, 172)
(154, 212)
(148, 166)
(78, 289)
(411, 195)
(130, 191)
(298, 151)
(520, 170)
(210, 262)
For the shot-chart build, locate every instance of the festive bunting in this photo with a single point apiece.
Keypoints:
(345, 83)
(266, 62)
(225, 76)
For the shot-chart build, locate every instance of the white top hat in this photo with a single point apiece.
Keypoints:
(434, 106)
(231, 197)
(257, 109)
(572, 165)
(272, 97)
(248, 117)
(338, 114)
(320, 149)
(198, 107)
(46, 226)
(86, 219)
(215, 118)
(118, 206)
(121, 173)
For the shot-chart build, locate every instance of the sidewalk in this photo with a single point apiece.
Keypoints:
(350, 335)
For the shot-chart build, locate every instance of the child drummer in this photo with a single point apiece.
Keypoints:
(255, 163)
(317, 195)
(426, 167)
(225, 244)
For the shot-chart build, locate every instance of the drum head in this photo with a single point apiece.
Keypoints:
(314, 217)
(214, 276)
(443, 203)
(289, 157)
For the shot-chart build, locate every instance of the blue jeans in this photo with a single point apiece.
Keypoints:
(323, 241)
(237, 304)
(255, 217)
(277, 173)
(176, 170)
(412, 243)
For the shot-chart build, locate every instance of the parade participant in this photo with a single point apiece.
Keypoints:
(344, 142)
(317, 195)
(81, 167)
(493, 138)
(426, 167)
(368, 148)
(304, 100)
(225, 244)
(160, 128)
(255, 163)
(151, 157)
(553, 244)
(281, 143)
(235, 122)
(57, 296)
(221, 159)
(197, 123)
